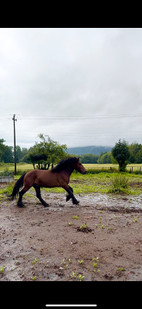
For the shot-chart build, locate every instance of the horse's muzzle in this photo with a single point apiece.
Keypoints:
(83, 172)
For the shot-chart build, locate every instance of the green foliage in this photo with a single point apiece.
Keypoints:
(105, 158)
(101, 182)
(80, 277)
(6, 172)
(46, 152)
(7, 190)
(2, 269)
(135, 151)
(21, 154)
(89, 158)
(121, 154)
(101, 170)
(2, 148)
(75, 217)
(119, 184)
(7, 155)
(34, 261)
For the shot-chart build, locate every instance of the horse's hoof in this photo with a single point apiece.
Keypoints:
(46, 205)
(20, 205)
(75, 202)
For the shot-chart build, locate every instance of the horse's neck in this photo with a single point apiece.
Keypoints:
(69, 170)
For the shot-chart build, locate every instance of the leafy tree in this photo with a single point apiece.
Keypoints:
(105, 158)
(23, 156)
(138, 158)
(47, 152)
(37, 159)
(18, 153)
(8, 154)
(121, 153)
(89, 158)
(135, 150)
(2, 148)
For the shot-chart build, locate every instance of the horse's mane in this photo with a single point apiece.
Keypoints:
(63, 164)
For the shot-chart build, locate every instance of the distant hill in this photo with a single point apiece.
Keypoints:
(89, 150)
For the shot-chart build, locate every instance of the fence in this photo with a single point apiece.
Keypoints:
(113, 167)
(6, 179)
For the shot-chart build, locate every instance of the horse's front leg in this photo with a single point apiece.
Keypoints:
(68, 197)
(70, 194)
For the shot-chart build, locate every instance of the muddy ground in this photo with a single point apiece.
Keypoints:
(98, 240)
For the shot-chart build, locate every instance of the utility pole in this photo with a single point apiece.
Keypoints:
(14, 119)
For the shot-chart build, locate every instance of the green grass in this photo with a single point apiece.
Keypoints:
(24, 167)
(102, 182)
(21, 167)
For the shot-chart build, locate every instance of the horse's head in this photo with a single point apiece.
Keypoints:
(79, 167)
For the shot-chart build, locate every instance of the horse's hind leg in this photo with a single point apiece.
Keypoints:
(38, 194)
(21, 193)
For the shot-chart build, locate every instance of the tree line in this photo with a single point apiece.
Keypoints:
(47, 152)
(42, 155)
(7, 152)
(121, 153)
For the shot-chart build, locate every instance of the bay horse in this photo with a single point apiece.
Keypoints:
(59, 176)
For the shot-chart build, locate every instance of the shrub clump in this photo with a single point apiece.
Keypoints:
(119, 184)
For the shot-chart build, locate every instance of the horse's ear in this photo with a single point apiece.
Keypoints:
(78, 158)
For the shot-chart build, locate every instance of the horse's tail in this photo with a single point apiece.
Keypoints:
(17, 186)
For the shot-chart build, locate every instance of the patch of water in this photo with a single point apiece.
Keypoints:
(57, 202)
(104, 200)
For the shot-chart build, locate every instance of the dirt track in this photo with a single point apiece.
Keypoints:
(99, 239)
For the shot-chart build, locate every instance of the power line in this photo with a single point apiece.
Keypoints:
(82, 117)
(21, 117)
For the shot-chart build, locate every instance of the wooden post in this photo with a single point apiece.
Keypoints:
(14, 119)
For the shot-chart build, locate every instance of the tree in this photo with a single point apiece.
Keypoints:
(135, 150)
(121, 153)
(89, 158)
(105, 158)
(37, 159)
(47, 152)
(8, 154)
(2, 148)
(139, 155)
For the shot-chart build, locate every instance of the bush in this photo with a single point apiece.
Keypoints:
(119, 184)
(6, 172)
(102, 170)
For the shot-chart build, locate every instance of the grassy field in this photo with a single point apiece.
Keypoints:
(130, 167)
(95, 182)
(22, 167)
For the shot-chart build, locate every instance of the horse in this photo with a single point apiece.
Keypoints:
(58, 176)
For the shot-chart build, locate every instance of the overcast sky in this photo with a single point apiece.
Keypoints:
(80, 86)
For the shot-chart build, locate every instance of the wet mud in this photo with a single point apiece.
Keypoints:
(100, 239)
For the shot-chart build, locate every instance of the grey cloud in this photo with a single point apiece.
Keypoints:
(51, 74)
